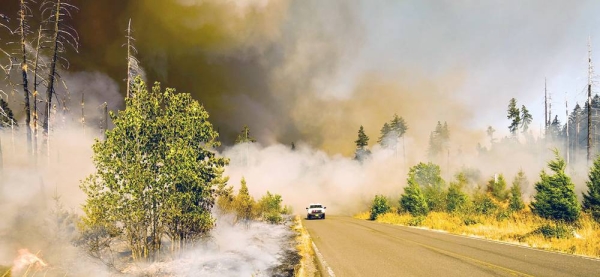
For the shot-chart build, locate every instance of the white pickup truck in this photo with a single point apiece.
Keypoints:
(315, 210)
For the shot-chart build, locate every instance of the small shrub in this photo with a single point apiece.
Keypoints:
(503, 215)
(483, 204)
(467, 220)
(273, 217)
(413, 200)
(379, 206)
(416, 221)
(559, 231)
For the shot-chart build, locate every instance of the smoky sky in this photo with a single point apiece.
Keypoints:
(315, 71)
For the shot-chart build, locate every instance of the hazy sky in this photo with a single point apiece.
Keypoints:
(501, 49)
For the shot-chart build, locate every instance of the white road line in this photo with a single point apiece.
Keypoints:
(322, 260)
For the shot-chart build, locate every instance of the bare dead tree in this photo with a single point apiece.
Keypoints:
(62, 35)
(589, 102)
(83, 111)
(133, 68)
(36, 67)
(23, 31)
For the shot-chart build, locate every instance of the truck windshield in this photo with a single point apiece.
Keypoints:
(315, 206)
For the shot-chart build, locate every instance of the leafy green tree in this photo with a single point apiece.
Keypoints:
(413, 200)
(244, 136)
(428, 176)
(555, 194)
(526, 119)
(379, 206)
(591, 199)
(270, 208)
(457, 199)
(497, 187)
(514, 114)
(245, 209)
(361, 145)
(156, 174)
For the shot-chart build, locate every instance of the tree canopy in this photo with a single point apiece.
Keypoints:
(591, 199)
(514, 115)
(555, 194)
(156, 172)
(244, 136)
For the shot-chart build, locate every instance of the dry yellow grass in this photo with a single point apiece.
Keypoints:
(516, 228)
(307, 266)
(363, 215)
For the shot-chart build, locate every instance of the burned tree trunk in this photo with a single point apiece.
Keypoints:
(35, 94)
(52, 75)
(23, 31)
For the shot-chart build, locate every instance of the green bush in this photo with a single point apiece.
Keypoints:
(468, 220)
(416, 221)
(379, 206)
(456, 199)
(413, 200)
(483, 204)
(555, 196)
(503, 215)
(559, 231)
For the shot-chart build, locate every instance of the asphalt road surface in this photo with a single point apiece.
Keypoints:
(353, 247)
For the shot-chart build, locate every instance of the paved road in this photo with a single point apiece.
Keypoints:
(353, 247)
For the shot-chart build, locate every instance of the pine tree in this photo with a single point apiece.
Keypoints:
(438, 140)
(497, 187)
(555, 128)
(244, 204)
(361, 143)
(516, 196)
(398, 126)
(413, 200)
(490, 132)
(555, 194)
(513, 115)
(244, 136)
(591, 199)
(526, 119)
(384, 139)
(516, 199)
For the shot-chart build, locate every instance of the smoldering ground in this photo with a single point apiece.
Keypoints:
(40, 204)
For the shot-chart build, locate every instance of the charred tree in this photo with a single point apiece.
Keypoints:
(589, 101)
(36, 67)
(61, 35)
(132, 62)
(22, 31)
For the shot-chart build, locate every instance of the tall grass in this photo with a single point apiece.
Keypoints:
(524, 228)
(307, 266)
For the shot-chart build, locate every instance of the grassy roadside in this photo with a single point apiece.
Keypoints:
(307, 266)
(523, 228)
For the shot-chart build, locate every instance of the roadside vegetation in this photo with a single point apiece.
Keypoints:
(553, 220)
